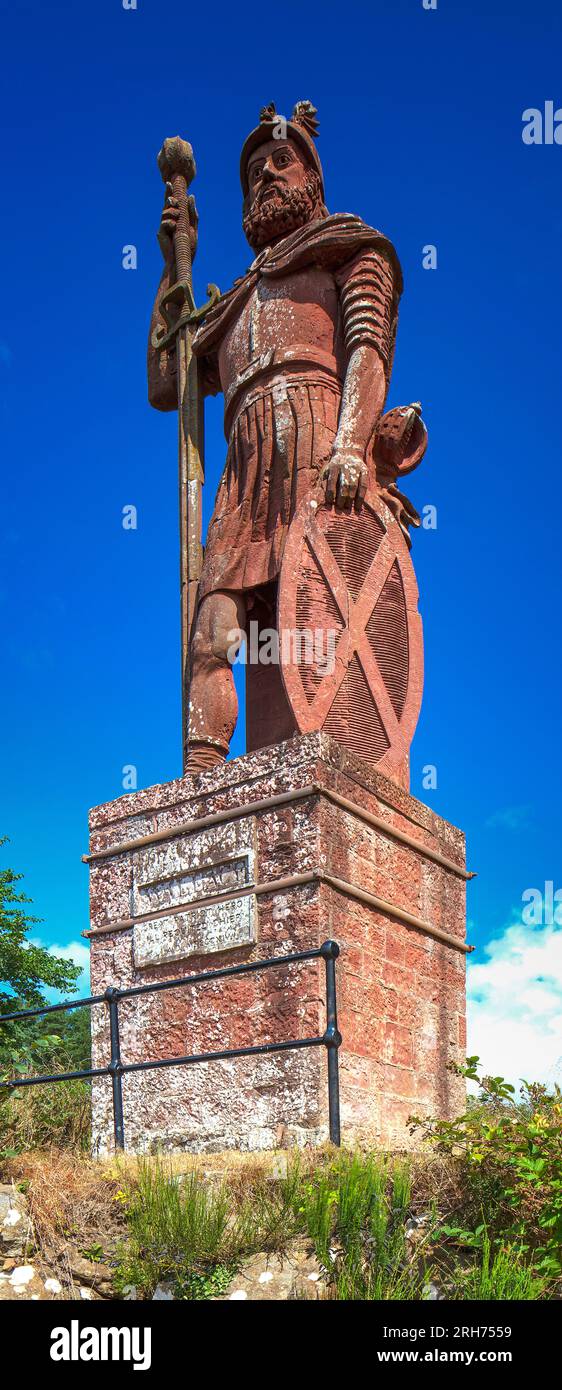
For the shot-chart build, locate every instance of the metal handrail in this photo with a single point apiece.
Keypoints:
(116, 1069)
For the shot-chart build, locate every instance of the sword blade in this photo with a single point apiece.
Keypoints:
(190, 481)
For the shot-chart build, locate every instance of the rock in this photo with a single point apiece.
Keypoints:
(164, 1291)
(13, 1218)
(16, 1232)
(22, 1284)
(91, 1273)
(53, 1286)
(25, 1282)
(279, 1167)
(22, 1274)
(432, 1293)
(293, 1276)
(414, 1224)
(416, 1230)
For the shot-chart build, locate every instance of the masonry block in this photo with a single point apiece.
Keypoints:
(271, 854)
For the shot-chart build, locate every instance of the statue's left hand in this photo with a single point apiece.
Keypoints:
(346, 477)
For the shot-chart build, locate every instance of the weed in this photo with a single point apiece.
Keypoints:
(494, 1278)
(177, 1229)
(355, 1212)
(46, 1117)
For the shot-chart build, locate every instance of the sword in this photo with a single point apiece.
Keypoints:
(177, 166)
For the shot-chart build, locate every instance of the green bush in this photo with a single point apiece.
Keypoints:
(508, 1150)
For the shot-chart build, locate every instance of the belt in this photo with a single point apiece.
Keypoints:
(305, 358)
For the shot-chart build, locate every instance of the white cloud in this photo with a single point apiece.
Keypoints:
(514, 1003)
(79, 953)
(510, 818)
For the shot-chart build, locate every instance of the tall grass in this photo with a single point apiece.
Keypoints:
(176, 1230)
(193, 1233)
(46, 1117)
(495, 1278)
(355, 1212)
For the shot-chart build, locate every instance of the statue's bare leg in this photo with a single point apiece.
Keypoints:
(213, 705)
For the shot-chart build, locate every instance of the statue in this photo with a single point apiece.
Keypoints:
(310, 530)
(238, 870)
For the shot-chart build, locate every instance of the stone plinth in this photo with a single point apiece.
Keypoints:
(221, 878)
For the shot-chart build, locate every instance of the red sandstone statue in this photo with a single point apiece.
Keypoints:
(302, 349)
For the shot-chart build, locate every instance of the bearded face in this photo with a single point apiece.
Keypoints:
(284, 193)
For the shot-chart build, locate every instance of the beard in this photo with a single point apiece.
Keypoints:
(278, 210)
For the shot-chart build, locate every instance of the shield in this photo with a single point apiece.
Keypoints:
(351, 645)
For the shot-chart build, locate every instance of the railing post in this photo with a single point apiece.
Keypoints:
(112, 996)
(332, 1039)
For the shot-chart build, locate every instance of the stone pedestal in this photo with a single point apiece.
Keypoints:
(273, 853)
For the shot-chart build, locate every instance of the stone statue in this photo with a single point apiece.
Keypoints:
(302, 349)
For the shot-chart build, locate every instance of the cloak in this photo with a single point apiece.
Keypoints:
(329, 242)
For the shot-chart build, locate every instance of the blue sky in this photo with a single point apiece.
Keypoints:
(421, 134)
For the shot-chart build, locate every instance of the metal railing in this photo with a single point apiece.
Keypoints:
(116, 1069)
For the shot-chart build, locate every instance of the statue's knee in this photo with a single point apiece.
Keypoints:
(217, 638)
(200, 647)
(225, 641)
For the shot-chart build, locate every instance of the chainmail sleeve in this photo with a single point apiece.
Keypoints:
(369, 305)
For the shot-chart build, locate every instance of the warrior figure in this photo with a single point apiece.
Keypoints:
(302, 349)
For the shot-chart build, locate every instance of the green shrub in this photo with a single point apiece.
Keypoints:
(509, 1151)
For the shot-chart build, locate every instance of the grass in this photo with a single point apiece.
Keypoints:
(191, 1231)
(355, 1212)
(50, 1116)
(177, 1231)
(191, 1222)
(495, 1278)
(70, 1200)
(352, 1208)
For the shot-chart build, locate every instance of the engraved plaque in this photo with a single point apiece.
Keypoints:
(178, 875)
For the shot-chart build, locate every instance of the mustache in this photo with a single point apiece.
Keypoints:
(278, 188)
(278, 208)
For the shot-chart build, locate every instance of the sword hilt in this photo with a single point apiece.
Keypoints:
(181, 294)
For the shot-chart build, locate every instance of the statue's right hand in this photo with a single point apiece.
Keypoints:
(169, 222)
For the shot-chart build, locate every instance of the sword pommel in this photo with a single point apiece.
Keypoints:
(176, 157)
